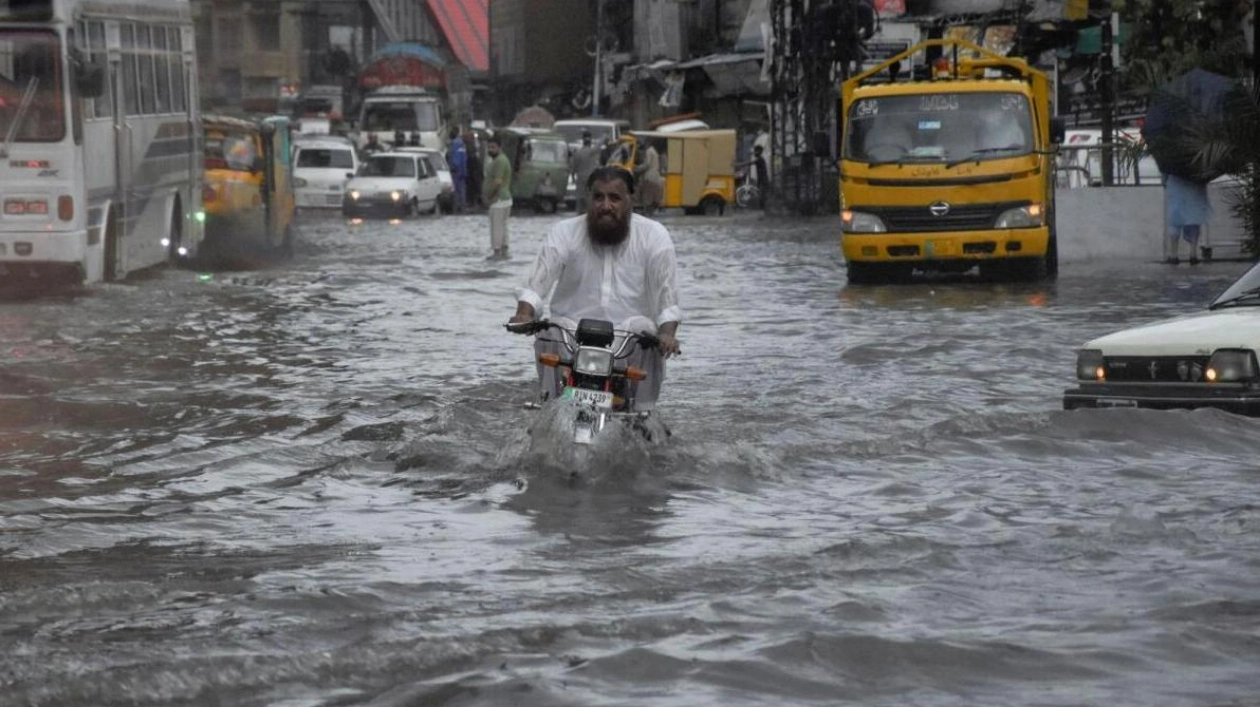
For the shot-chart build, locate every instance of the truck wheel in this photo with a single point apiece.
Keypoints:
(712, 206)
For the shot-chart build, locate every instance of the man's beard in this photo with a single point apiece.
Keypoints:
(611, 230)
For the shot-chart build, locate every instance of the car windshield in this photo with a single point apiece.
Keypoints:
(326, 158)
(548, 150)
(401, 115)
(1245, 290)
(939, 127)
(385, 166)
(30, 74)
(227, 149)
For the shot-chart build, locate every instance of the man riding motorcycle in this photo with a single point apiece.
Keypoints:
(613, 265)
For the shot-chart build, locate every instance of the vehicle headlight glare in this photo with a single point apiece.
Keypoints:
(395, 195)
(1231, 366)
(354, 194)
(1090, 365)
(593, 362)
(1022, 217)
(862, 222)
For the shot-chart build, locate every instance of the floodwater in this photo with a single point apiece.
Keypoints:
(312, 486)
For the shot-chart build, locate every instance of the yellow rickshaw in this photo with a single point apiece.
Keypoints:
(698, 166)
(248, 195)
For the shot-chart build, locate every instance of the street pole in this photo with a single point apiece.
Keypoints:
(1108, 100)
(599, 57)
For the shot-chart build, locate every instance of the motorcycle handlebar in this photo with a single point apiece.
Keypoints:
(647, 341)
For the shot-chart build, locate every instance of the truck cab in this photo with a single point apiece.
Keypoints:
(391, 114)
(951, 171)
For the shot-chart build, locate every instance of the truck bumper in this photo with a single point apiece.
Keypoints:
(953, 247)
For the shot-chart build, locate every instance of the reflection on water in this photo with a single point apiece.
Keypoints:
(319, 485)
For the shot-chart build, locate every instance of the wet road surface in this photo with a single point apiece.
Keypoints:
(312, 486)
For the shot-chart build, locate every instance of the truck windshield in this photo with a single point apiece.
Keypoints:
(30, 73)
(939, 127)
(407, 116)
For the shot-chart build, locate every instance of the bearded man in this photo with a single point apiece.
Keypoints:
(610, 264)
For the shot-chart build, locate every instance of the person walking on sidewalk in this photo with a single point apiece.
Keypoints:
(1186, 209)
(497, 196)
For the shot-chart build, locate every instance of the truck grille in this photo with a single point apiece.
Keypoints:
(1156, 369)
(961, 217)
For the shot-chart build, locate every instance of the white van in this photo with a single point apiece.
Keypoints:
(321, 168)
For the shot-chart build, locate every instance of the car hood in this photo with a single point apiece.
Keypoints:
(371, 184)
(1196, 334)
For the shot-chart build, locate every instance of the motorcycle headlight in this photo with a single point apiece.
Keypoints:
(1089, 365)
(1231, 366)
(1029, 216)
(861, 222)
(593, 362)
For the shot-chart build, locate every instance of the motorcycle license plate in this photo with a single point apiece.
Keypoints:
(594, 398)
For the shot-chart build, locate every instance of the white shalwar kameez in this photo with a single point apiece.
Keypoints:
(633, 284)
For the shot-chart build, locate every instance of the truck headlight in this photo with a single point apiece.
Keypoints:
(1231, 366)
(1089, 365)
(861, 222)
(1029, 216)
(593, 362)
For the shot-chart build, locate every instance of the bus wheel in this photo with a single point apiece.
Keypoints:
(111, 270)
(175, 237)
(712, 206)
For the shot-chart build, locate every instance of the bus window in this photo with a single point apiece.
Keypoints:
(29, 61)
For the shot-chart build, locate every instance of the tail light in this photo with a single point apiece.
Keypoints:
(65, 208)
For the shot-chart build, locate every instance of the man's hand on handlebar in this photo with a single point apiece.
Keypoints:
(522, 325)
(668, 346)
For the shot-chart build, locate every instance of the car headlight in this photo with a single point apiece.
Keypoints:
(861, 222)
(396, 195)
(1029, 216)
(299, 182)
(1231, 366)
(1089, 365)
(593, 362)
(354, 194)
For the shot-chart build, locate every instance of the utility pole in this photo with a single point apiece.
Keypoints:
(1108, 90)
(599, 57)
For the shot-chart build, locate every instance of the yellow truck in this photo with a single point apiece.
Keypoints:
(949, 171)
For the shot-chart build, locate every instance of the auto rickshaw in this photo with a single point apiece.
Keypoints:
(698, 166)
(248, 195)
(540, 166)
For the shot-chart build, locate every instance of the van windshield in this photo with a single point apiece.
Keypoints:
(407, 116)
(31, 61)
(327, 158)
(939, 127)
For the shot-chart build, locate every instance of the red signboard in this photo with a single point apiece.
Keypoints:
(401, 71)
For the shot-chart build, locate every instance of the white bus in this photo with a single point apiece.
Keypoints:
(101, 164)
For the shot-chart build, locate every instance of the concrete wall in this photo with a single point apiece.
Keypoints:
(1128, 223)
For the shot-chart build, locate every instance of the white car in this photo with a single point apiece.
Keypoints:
(446, 200)
(394, 183)
(321, 168)
(1206, 359)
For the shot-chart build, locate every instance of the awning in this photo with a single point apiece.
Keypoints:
(466, 25)
(733, 74)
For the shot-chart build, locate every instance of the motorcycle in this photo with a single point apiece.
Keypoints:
(593, 375)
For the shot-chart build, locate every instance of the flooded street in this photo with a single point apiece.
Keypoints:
(312, 486)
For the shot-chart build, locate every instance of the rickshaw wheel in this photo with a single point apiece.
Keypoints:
(712, 206)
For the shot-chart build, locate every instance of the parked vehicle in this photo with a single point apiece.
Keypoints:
(1207, 359)
(321, 167)
(249, 193)
(950, 173)
(398, 184)
(540, 166)
(437, 160)
(698, 166)
(101, 173)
